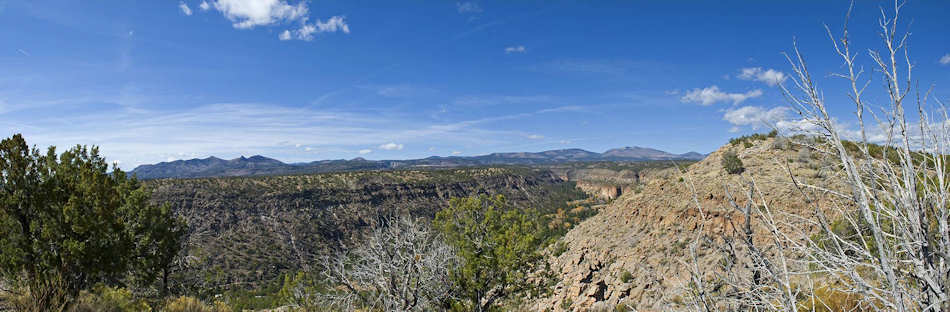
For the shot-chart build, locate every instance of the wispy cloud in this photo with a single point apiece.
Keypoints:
(365, 151)
(479, 28)
(233, 129)
(204, 6)
(711, 95)
(489, 100)
(590, 66)
(769, 76)
(399, 90)
(515, 49)
(945, 60)
(23, 52)
(184, 8)
(391, 146)
(468, 7)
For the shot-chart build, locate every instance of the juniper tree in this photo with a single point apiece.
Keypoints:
(66, 223)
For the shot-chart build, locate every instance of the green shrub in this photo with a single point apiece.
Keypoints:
(747, 140)
(732, 163)
(108, 299)
(191, 304)
(498, 245)
(626, 276)
(567, 303)
(559, 249)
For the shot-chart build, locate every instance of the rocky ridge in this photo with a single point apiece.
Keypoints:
(633, 252)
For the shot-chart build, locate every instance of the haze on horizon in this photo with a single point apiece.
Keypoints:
(306, 80)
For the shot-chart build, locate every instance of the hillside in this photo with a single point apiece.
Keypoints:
(644, 235)
(245, 232)
(260, 165)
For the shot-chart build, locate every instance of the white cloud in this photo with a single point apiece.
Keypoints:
(391, 146)
(769, 76)
(710, 95)
(242, 129)
(945, 60)
(535, 136)
(468, 7)
(365, 151)
(308, 149)
(21, 51)
(515, 49)
(204, 5)
(184, 8)
(307, 31)
(456, 153)
(755, 116)
(245, 14)
(298, 145)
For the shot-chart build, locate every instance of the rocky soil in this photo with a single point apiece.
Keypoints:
(633, 253)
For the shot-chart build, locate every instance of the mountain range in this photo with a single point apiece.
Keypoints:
(260, 165)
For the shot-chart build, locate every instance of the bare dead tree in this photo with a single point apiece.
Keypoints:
(884, 240)
(402, 266)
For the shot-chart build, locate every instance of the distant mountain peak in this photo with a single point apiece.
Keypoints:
(261, 165)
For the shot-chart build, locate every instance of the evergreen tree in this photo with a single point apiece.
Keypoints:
(498, 246)
(66, 224)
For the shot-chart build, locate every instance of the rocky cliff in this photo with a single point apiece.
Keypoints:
(633, 252)
(247, 231)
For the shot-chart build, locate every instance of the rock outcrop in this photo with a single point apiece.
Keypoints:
(633, 252)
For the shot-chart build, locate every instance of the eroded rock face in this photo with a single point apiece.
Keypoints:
(633, 252)
(601, 190)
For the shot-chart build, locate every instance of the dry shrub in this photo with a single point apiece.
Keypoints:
(191, 304)
(109, 299)
(826, 299)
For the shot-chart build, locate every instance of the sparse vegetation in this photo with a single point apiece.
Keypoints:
(882, 244)
(748, 140)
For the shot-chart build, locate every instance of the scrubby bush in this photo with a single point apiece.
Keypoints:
(781, 143)
(626, 276)
(826, 299)
(499, 247)
(191, 304)
(747, 140)
(109, 299)
(732, 163)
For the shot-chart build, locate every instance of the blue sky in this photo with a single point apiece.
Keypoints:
(151, 81)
